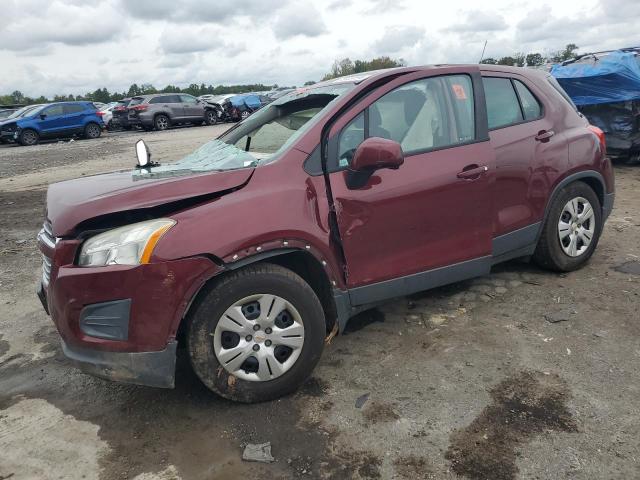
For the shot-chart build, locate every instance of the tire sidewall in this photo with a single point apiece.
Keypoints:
(208, 115)
(88, 128)
(158, 117)
(211, 306)
(35, 142)
(563, 261)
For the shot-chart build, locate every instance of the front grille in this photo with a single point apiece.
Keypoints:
(46, 236)
(46, 270)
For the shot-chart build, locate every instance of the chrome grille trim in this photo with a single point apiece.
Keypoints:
(46, 270)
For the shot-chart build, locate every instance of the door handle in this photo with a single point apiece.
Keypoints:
(471, 172)
(544, 135)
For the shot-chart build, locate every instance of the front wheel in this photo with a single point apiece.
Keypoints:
(28, 137)
(572, 229)
(256, 334)
(211, 117)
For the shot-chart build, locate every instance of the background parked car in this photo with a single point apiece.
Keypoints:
(107, 114)
(120, 114)
(239, 107)
(161, 111)
(99, 105)
(55, 120)
(5, 112)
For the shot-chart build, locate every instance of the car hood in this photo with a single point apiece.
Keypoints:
(72, 202)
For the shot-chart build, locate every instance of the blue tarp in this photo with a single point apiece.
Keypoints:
(612, 78)
(241, 101)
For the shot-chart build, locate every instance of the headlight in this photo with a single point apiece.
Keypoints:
(130, 245)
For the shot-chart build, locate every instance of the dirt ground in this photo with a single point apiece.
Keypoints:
(520, 374)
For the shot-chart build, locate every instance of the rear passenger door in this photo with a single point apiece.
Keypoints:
(436, 209)
(74, 116)
(528, 149)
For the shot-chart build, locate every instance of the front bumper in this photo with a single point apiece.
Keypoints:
(120, 322)
(153, 369)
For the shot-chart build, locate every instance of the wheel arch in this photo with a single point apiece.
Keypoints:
(592, 178)
(299, 261)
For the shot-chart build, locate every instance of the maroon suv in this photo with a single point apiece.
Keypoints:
(331, 199)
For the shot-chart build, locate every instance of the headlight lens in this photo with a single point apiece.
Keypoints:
(130, 245)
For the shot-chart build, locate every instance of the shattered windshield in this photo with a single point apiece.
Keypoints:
(260, 138)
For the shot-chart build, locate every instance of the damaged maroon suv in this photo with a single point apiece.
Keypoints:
(259, 244)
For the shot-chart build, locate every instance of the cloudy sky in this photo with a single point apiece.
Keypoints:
(76, 46)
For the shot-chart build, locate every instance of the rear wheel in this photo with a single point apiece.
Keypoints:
(572, 229)
(92, 130)
(28, 137)
(161, 122)
(257, 334)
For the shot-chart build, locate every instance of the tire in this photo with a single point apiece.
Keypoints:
(92, 131)
(268, 381)
(560, 255)
(161, 122)
(210, 117)
(110, 125)
(127, 127)
(28, 137)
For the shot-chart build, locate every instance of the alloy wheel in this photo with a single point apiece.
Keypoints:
(576, 227)
(162, 123)
(259, 338)
(29, 137)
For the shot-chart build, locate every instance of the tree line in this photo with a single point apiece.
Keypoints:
(339, 68)
(534, 59)
(105, 96)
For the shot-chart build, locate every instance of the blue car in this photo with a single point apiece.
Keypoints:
(54, 120)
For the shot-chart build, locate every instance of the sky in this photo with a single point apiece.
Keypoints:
(75, 46)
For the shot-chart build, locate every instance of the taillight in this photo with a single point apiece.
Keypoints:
(100, 114)
(140, 108)
(601, 138)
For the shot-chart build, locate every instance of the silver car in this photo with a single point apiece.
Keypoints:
(162, 110)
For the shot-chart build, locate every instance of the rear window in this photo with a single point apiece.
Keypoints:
(503, 107)
(136, 101)
(530, 104)
(73, 108)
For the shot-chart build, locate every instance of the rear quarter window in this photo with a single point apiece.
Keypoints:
(503, 107)
(530, 104)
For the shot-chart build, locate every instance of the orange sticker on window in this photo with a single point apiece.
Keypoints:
(459, 91)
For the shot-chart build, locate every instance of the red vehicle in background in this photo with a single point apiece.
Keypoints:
(253, 248)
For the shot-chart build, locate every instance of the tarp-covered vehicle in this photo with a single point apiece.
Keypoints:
(605, 87)
(239, 107)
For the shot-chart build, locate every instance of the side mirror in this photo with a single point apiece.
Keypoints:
(43, 116)
(144, 155)
(373, 154)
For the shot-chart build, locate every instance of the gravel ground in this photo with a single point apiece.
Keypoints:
(519, 374)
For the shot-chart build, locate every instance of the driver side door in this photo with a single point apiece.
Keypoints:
(429, 222)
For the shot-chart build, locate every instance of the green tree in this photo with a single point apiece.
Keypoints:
(345, 66)
(568, 53)
(534, 60)
(134, 90)
(510, 61)
(17, 97)
(489, 61)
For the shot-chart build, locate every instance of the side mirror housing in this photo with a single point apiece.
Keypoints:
(373, 154)
(376, 153)
(144, 155)
(43, 116)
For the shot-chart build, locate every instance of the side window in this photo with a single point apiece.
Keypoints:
(351, 136)
(502, 103)
(54, 111)
(73, 108)
(188, 99)
(530, 104)
(172, 99)
(430, 113)
(158, 100)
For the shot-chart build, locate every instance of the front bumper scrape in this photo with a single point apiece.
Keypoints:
(153, 369)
